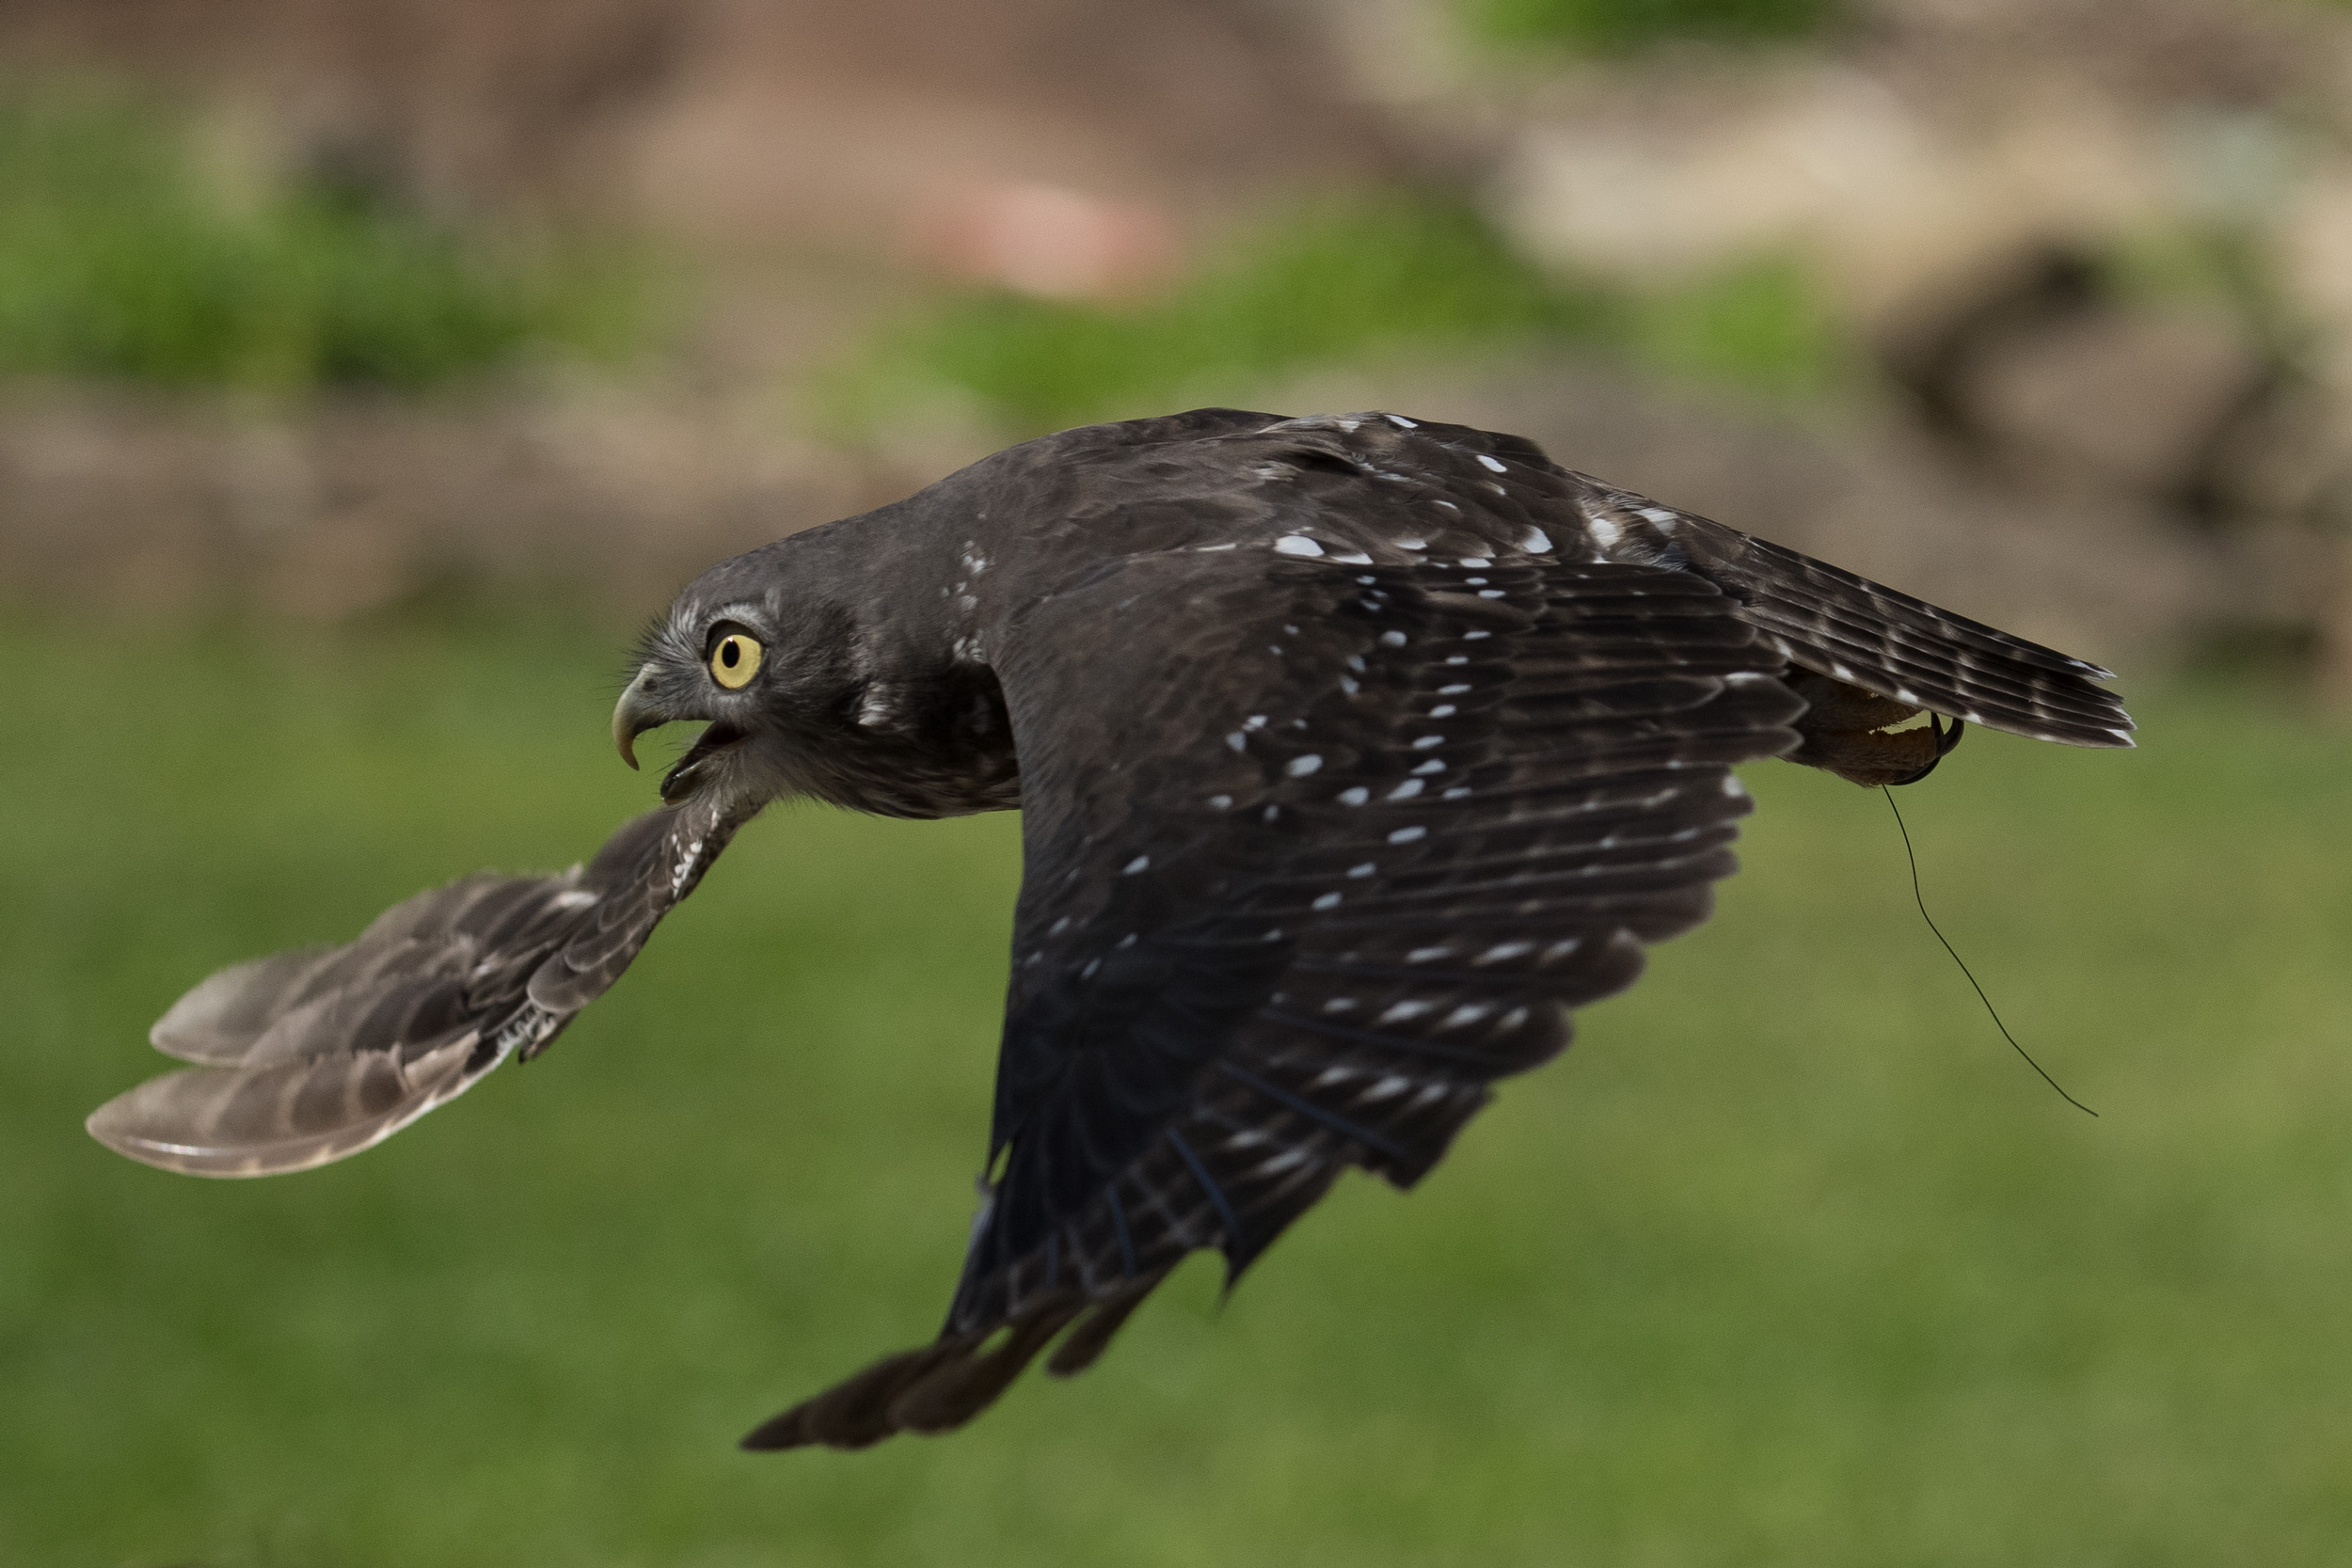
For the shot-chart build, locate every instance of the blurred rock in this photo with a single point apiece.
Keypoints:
(148, 505)
(745, 122)
(2120, 471)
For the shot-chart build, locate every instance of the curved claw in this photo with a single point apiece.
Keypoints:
(1945, 742)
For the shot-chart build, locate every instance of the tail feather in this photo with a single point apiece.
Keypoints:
(1833, 623)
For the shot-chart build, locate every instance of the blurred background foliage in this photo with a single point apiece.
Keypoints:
(1350, 282)
(369, 367)
(120, 258)
(1609, 26)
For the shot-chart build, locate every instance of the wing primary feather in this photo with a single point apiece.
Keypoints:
(1119, 1222)
(1208, 1185)
(1321, 1115)
(308, 1057)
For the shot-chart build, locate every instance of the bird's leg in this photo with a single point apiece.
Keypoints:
(1850, 733)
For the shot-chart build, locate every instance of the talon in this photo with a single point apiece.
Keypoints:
(1946, 741)
(1844, 732)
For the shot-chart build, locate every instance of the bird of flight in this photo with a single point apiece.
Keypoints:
(1351, 751)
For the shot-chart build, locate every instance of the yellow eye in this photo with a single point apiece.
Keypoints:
(735, 661)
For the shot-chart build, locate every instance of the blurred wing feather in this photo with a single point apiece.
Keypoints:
(306, 1056)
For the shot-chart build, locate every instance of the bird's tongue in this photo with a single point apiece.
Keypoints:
(684, 776)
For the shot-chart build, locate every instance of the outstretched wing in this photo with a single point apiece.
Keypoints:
(1334, 850)
(304, 1057)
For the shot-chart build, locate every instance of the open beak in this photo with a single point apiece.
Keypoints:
(639, 710)
(634, 713)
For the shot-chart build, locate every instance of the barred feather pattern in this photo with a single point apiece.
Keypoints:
(306, 1056)
(1353, 751)
(1491, 788)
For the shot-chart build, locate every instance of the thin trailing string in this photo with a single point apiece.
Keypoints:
(1920, 900)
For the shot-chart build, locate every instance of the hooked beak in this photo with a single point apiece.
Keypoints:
(634, 713)
(639, 710)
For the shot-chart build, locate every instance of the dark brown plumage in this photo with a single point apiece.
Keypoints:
(1351, 752)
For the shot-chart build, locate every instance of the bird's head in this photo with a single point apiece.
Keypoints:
(766, 665)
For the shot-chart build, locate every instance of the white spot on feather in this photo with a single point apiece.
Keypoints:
(1328, 901)
(1141, 862)
(1392, 639)
(1297, 544)
(1536, 541)
(1355, 795)
(1493, 463)
(1300, 766)
(574, 898)
(1408, 835)
(1400, 422)
(1605, 533)
(1406, 790)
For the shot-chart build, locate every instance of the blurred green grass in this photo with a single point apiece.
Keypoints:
(121, 259)
(1789, 1262)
